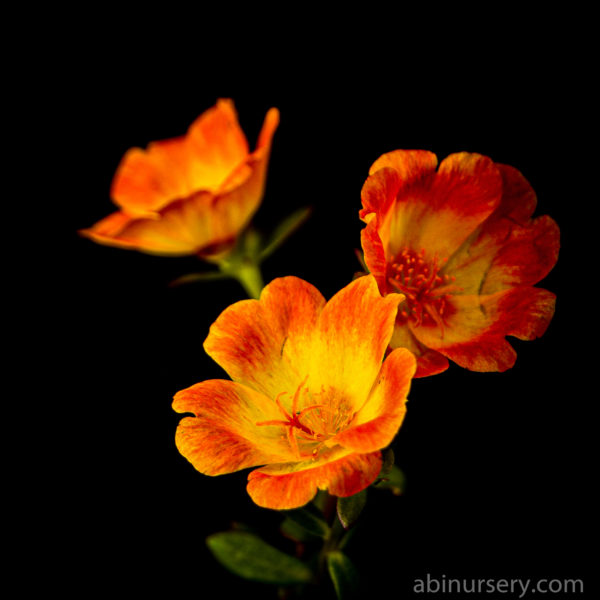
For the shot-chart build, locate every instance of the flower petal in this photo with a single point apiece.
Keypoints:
(518, 197)
(202, 223)
(355, 328)
(378, 197)
(506, 255)
(343, 477)
(108, 231)
(189, 226)
(392, 175)
(509, 249)
(429, 362)
(240, 196)
(378, 421)
(147, 180)
(217, 145)
(224, 437)
(470, 223)
(526, 257)
(379, 193)
(214, 147)
(267, 343)
(189, 195)
(434, 211)
(409, 167)
(374, 252)
(474, 336)
(466, 190)
(267, 131)
(272, 344)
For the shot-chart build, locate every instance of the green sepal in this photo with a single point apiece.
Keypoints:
(251, 242)
(394, 480)
(343, 575)
(284, 230)
(389, 458)
(250, 557)
(349, 509)
(310, 521)
(243, 261)
(320, 500)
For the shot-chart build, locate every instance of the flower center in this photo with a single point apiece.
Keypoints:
(323, 415)
(427, 289)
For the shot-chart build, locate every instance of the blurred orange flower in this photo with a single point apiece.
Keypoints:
(460, 243)
(192, 194)
(310, 403)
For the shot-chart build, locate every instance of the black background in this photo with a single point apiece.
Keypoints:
(499, 466)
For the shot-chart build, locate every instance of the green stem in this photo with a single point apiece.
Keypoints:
(246, 271)
(329, 508)
(332, 541)
(250, 277)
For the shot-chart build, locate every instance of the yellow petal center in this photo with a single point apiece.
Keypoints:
(314, 418)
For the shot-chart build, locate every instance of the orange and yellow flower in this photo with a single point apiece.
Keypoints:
(192, 194)
(311, 401)
(460, 243)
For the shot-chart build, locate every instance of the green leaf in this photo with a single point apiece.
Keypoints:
(347, 538)
(288, 226)
(349, 509)
(248, 556)
(308, 520)
(320, 500)
(394, 480)
(294, 531)
(343, 575)
(388, 462)
(198, 277)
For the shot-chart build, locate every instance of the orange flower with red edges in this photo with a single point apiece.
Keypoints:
(192, 194)
(460, 243)
(310, 402)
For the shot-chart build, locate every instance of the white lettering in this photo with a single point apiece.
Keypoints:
(524, 583)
